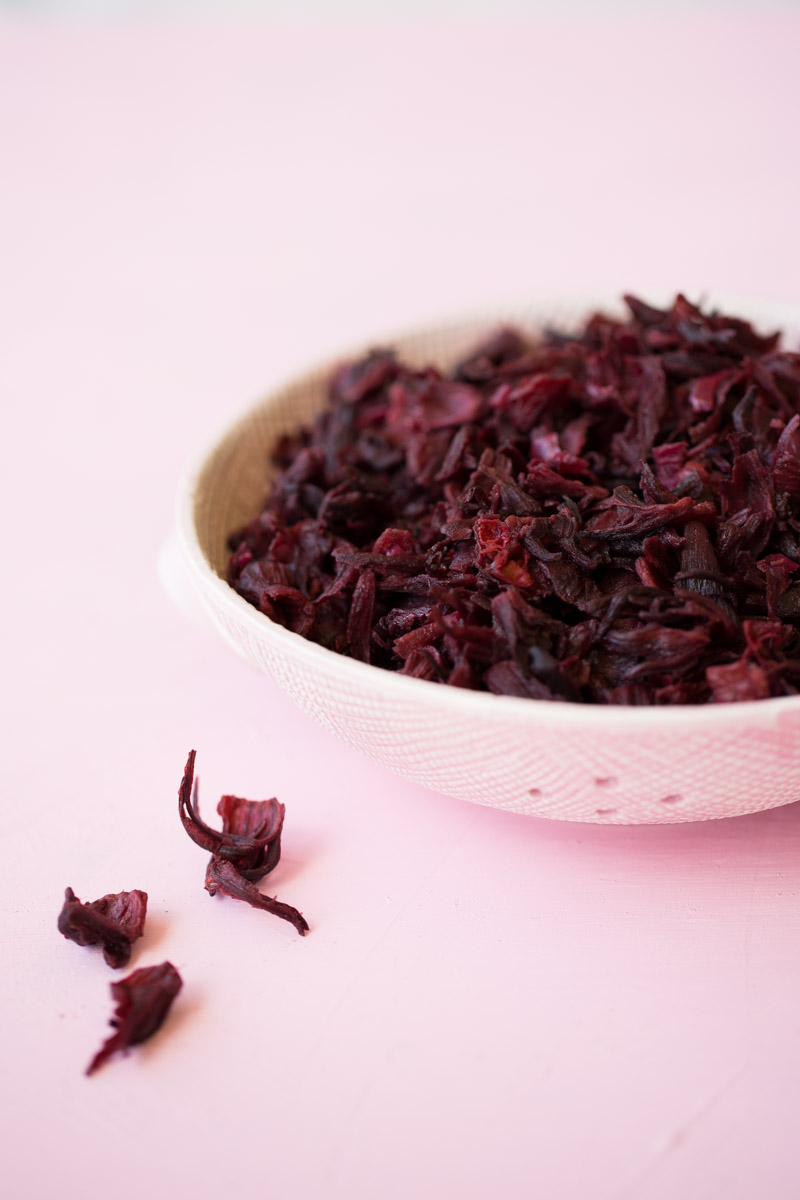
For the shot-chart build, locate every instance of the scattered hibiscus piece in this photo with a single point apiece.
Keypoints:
(114, 922)
(222, 876)
(246, 849)
(143, 1000)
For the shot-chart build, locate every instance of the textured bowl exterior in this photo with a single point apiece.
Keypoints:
(569, 761)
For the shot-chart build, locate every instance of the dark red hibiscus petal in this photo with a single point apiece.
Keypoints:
(246, 849)
(114, 922)
(222, 876)
(143, 1000)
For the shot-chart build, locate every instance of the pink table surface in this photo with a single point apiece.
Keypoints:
(487, 1005)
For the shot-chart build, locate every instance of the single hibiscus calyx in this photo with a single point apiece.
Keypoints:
(143, 1000)
(114, 922)
(251, 829)
(247, 848)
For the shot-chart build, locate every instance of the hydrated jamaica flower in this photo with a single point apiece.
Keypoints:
(246, 849)
(610, 516)
(143, 1000)
(114, 922)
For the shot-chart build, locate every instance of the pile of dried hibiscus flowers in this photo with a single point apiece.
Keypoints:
(610, 517)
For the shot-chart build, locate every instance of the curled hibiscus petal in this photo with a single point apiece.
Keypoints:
(222, 876)
(250, 828)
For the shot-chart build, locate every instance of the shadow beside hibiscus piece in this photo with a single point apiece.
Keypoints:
(246, 849)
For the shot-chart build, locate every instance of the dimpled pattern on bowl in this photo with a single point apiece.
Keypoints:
(573, 762)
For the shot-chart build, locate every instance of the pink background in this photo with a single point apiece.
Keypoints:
(487, 1005)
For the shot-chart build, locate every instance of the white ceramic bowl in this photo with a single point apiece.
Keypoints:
(576, 762)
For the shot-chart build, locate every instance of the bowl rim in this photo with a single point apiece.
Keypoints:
(366, 676)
